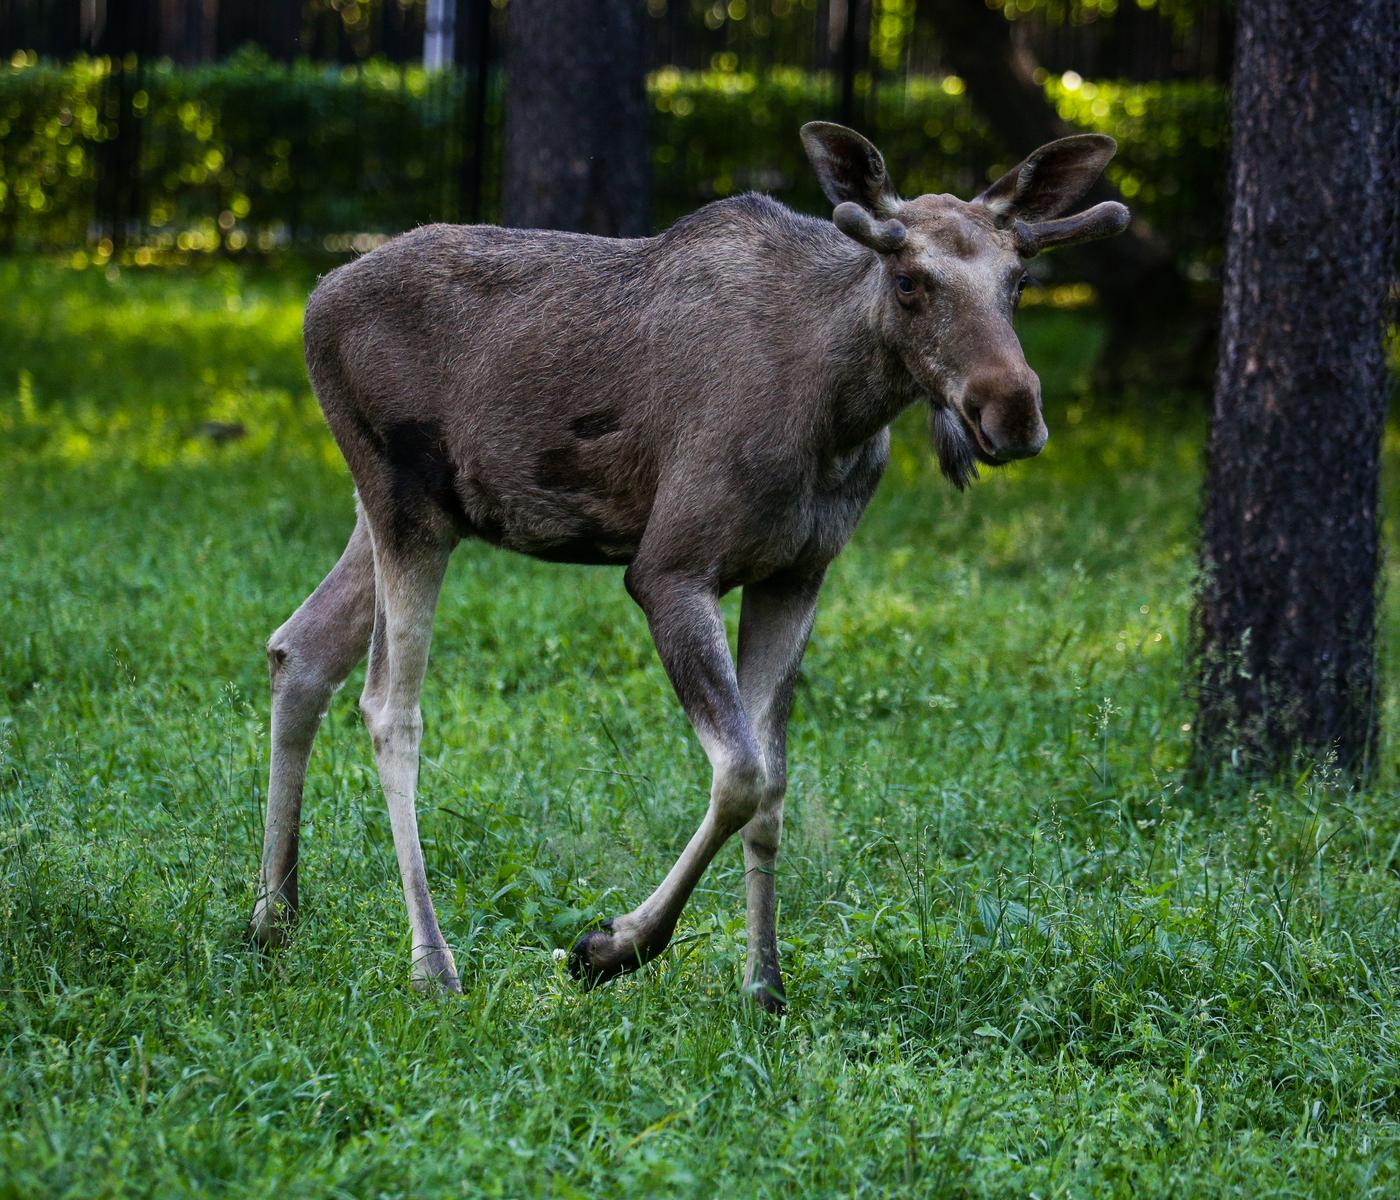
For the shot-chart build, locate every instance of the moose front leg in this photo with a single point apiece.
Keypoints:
(774, 624)
(688, 630)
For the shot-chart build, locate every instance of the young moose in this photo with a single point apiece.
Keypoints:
(709, 408)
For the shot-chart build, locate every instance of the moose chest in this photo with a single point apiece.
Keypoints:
(779, 522)
(841, 493)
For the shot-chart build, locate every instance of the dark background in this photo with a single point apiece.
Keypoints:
(191, 126)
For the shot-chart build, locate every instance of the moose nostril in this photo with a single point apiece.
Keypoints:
(974, 411)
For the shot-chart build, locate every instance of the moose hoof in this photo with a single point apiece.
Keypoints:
(271, 925)
(766, 991)
(603, 955)
(435, 971)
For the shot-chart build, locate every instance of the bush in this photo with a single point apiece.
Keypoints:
(243, 152)
(250, 154)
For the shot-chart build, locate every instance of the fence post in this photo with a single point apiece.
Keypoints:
(439, 28)
(479, 92)
(124, 38)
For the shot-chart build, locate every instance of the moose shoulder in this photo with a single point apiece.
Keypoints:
(709, 407)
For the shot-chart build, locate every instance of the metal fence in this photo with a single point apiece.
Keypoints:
(1140, 41)
(424, 145)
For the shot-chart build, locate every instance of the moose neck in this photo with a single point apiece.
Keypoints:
(861, 383)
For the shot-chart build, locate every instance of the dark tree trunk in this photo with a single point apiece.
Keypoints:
(1287, 612)
(1144, 296)
(187, 32)
(576, 137)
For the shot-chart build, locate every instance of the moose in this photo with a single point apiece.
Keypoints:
(708, 408)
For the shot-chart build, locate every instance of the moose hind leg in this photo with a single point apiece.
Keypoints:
(408, 577)
(309, 658)
(688, 630)
(775, 621)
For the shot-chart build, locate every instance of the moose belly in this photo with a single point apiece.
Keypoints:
(582, 522)
(584, 544)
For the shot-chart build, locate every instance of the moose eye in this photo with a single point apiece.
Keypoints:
(1021, 285)
(904, 284)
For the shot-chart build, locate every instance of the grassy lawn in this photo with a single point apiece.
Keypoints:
(1023, 955)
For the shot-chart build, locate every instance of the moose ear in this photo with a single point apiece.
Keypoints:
(850, 169)
(1051, 180)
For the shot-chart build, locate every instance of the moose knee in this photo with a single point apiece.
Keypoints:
(300, 690)
(765, 830)
(738, 790)
(391, 727)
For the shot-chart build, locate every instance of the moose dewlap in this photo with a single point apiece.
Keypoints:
(709, 408)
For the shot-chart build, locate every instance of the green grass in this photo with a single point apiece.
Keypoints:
(1023, 956)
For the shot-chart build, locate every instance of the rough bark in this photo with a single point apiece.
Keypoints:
(1144, 295)
(1287, 611)
(576, 144)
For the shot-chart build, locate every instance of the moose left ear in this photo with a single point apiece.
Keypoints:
(1051, 180)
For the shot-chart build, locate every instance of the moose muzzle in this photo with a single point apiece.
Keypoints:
(1002, 410)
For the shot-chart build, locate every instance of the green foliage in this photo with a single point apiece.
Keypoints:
(1183, 14)
(1170, 167)
(240, 152)
(1023, 958)
(252, 154)
(49, 123)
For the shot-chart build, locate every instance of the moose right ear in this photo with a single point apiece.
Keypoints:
(849, 168)
(1051, 180)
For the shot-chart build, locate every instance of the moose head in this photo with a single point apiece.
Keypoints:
(952, 274)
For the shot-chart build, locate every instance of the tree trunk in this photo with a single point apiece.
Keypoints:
(186, 31)
(1144, 296)
(1287, 611)
(576, 137)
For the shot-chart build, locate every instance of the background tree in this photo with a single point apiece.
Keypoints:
(576, 145)
(1287, 609)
